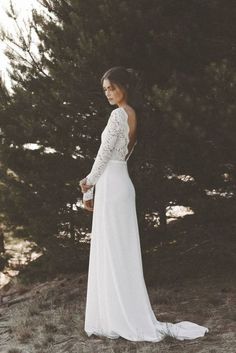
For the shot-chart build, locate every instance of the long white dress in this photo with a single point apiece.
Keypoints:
(117, 303)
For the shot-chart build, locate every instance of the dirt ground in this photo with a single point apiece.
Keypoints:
(186, 280)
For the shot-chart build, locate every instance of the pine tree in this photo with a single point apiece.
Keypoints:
(57, 103)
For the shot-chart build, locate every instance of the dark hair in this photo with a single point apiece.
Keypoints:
(130, 81)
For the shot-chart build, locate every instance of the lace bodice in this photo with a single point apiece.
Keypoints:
(114, 145)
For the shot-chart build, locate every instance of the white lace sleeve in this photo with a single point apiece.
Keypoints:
(88, 195)
(109, 139)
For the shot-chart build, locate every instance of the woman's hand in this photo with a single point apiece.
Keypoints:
(88, 205)
(84, 186)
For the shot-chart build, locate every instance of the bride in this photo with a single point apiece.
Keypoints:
(117, 302)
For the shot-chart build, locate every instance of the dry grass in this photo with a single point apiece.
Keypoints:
(50, 323)
(51, 319)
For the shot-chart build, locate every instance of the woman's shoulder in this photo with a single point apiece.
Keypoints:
(117, 114)
(116, 111)
(120, 111)
(117, 119)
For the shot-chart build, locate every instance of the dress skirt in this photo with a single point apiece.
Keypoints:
(117, 302)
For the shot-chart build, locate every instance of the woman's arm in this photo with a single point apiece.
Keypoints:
(106, 148)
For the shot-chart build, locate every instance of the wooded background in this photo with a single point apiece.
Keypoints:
(185, 52)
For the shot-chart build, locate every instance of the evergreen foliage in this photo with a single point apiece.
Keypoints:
(185, 51)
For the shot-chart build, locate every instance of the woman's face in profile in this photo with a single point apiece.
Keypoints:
(114, 94)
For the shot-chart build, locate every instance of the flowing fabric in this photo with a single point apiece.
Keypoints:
(117, 303)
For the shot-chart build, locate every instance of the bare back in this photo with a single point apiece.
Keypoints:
(132, 122)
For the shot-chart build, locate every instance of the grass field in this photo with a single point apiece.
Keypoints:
(186, 280)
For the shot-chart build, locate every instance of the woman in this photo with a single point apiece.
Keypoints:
(117, 303)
